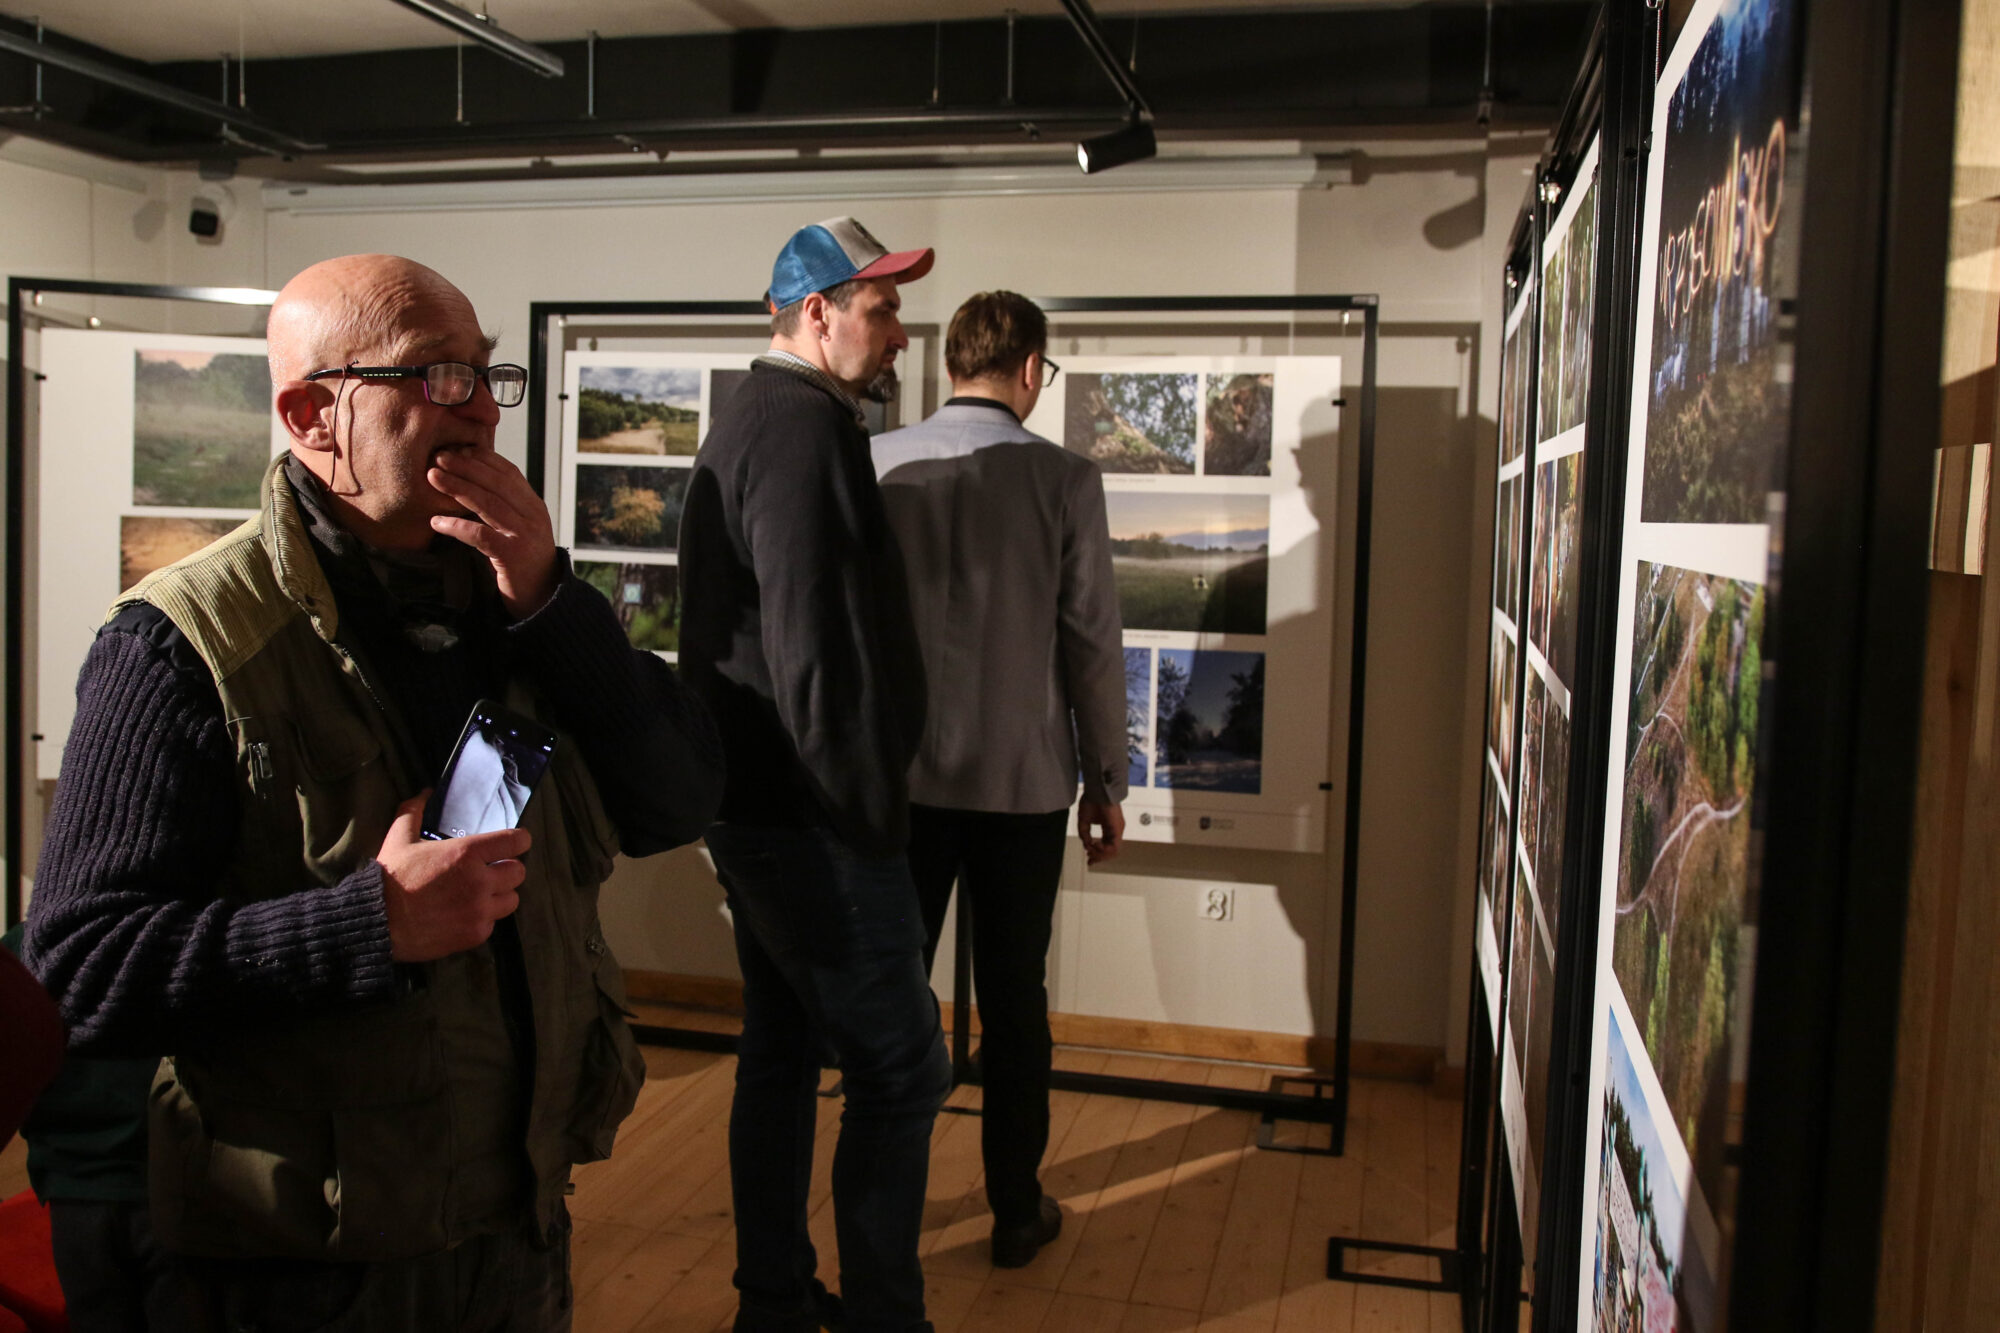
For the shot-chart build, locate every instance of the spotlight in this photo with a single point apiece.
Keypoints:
(1133, 143)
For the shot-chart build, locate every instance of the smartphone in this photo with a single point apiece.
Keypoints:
(499, 758)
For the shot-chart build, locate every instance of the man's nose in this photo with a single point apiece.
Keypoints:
(899, 341)
(481, 407)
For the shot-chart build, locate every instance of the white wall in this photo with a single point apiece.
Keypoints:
(1417, 227)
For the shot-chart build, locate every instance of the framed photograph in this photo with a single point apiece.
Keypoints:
(638, 508)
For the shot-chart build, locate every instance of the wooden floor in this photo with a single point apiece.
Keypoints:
(1175, 1220)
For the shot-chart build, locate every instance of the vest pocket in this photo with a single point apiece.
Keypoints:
(317, 779)
(613, 1071)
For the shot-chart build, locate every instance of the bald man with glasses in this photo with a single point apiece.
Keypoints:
(386, 1052)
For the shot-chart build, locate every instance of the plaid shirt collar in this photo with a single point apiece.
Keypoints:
(812, 374)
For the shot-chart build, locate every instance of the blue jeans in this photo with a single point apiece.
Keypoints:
(831, 946)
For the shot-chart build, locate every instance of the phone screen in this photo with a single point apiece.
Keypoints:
(499, 759)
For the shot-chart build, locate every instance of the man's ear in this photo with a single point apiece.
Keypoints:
(306, 409)
(815, 314)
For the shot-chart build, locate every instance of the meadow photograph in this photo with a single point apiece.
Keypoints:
(635, 507)
(147, 542)
(1683, 859)
(1555, 290)
(1209, 732)
(1236, 434)
(1132, 422)
(1194, 562)
(1578, 297)
(1554, 568)
(638, 409)
(1138, 714)
(1646, 1277)
(645, 598)
(1720, 372)
(201, 429)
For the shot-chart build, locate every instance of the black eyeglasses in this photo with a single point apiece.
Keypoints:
(446, 383)
(1049, 372)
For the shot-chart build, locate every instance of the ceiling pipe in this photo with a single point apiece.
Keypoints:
(478, 28)
(1084, 20)
(154, 91)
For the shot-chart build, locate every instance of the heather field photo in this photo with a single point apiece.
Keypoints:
(201, 428)
(638, 409)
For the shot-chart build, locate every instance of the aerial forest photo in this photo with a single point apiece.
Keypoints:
(645, 598)
(1199, 563)
(1721, 375)
(1210, 721)
(1690, 768)
(1578, 298)
(1132, 422)
(201, 429)
(638, 410)
(1237, 437)
(637, 507)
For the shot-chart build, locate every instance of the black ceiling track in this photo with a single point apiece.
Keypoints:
(1258, 74)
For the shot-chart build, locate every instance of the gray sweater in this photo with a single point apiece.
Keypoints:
(1004, 541)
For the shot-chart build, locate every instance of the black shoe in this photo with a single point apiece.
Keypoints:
(825, 1312)
(1014, 1247)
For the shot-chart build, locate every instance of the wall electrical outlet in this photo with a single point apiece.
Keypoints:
(1218, 903)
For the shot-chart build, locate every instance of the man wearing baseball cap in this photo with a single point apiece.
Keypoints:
(795, 630)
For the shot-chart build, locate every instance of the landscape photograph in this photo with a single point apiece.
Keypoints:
(1209, 727)
(634, 507)
(638, 409)
(1132, 422)
(1494, 864)
(1555, 288)
(645, 598)
(1198, 562)
(1236, 429)
(1555, 563)
(1720, 388)
(147, 542)
(1512, 433)
(1138, 714)
(1578, 297)
(1533, 706)
(1647, 1278)
(1551, 810)
(1690, 769)
(201, 429)
(1500, 712)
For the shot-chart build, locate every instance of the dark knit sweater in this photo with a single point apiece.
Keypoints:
(795, 621)
(124, 927)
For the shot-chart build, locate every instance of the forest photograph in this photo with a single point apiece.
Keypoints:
(1138, 714)
(1236, 435)
(1578, 298)
(1209, 732)
(1132, 422)
(201, 429)
(1549, 383)
(1683, 858)
(636, 507)
(638, 409)
(645, 598)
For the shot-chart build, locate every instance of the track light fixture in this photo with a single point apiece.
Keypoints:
(480, 29)
(1132, 143)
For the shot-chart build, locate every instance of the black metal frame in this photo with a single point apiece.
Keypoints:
(12, 725)
(1274, 1102)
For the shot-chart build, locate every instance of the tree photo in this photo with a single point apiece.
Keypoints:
(1132, 422)
(1210, 729)
(645, 598)
(629, 506)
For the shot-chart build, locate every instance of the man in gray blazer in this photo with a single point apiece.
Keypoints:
(1008, 557)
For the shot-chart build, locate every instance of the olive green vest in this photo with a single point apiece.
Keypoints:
(372, 1132)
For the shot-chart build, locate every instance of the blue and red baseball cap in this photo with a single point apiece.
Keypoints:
(829, 253)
